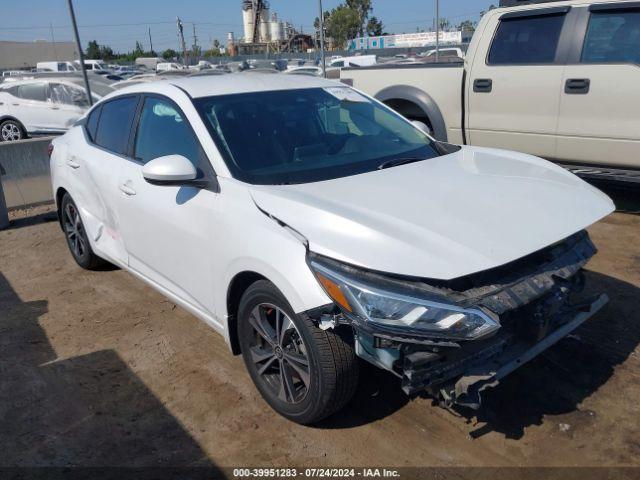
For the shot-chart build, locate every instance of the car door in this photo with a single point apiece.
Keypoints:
(32, 108)
(69, 102)
(167, 230)
(96, 162)
(599, 121)
(513, 92)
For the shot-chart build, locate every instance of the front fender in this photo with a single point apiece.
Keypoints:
(423, 100)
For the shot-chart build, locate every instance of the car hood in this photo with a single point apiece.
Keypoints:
(440, 218)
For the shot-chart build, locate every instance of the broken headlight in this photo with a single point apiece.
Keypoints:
(373, 301)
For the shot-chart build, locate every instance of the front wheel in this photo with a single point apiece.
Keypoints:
(304, 373)
(11, 131)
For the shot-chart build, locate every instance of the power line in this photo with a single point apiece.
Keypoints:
(113, 25)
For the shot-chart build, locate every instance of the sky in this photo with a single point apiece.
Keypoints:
(120, 23)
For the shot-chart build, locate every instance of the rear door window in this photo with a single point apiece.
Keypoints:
(115, 124)
(92, 123)
(33, 91)
(68, 95)
(613, 37)
(526, 40)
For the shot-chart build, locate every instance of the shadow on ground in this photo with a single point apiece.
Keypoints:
(90, 410)
(554, 383)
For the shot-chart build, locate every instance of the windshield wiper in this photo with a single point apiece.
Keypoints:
(399, 161)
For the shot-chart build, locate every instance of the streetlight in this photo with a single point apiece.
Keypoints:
(80, 53)
(324, 67)
(437, 30)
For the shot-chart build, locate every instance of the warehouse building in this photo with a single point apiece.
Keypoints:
(19, 55)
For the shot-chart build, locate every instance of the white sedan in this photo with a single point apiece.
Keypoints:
(311, 225)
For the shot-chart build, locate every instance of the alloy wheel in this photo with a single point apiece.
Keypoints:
(74, 230)
(279, 354)
(10, 132)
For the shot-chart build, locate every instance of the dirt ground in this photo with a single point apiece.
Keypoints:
(98, 369)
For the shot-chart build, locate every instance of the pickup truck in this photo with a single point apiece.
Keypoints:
(560, 80)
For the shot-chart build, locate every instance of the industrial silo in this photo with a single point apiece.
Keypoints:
(276, 28)
(248, 19)
(265, 33)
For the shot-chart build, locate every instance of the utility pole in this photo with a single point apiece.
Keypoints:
(185, 59)
(324, 67)
(150, 41)
(80, 52)
(53, 41)
(437, 30)
(195, 41)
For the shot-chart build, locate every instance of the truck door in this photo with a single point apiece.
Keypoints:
(512, 91)
(599, 119)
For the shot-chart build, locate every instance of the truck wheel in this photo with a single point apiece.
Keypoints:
(304, 373)
(11, 131)
(76, 235)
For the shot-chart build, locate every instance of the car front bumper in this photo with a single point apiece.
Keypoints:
(460, 375)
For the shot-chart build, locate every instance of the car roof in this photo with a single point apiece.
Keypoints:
(244, 82)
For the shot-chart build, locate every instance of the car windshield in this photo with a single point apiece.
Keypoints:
(309, 135)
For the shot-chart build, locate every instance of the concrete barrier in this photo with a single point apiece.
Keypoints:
(25, 174)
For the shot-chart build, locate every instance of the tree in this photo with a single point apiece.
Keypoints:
(491, 7)
(138, 51)
(316, 23)
(343, 25)
(444, 24)
(375, 27)
(93, 51)
(169, 54)
(362, 8)
(467, 26)
(106, 53)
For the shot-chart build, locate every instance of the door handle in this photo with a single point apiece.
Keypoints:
(15, 104)
(71, 161)
(127, 190)
(577, 86)
(482, 85)
(54, 108)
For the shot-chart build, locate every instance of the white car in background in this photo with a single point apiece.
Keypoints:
(169, 66)
(43, 106)
(310, 225)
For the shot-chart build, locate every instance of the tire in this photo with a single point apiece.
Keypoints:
(12, 131)
(76, 235)
(305, 376)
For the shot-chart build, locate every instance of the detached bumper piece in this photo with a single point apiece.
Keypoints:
(458, 376)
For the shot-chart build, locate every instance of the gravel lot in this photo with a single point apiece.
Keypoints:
(98, 369)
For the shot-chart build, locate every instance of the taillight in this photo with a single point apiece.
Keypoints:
(50, 149)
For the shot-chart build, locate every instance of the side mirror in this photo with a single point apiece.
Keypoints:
(423, 127)
(169, 170)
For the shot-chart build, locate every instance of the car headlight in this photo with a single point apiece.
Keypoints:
(389, 307)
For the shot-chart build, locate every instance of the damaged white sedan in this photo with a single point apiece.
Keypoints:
(311, 225)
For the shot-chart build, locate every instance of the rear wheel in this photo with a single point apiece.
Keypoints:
(76, 235)
(11, 131)
(304, 373)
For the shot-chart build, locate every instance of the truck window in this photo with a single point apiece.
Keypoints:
(613, 37)
(526, 40)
